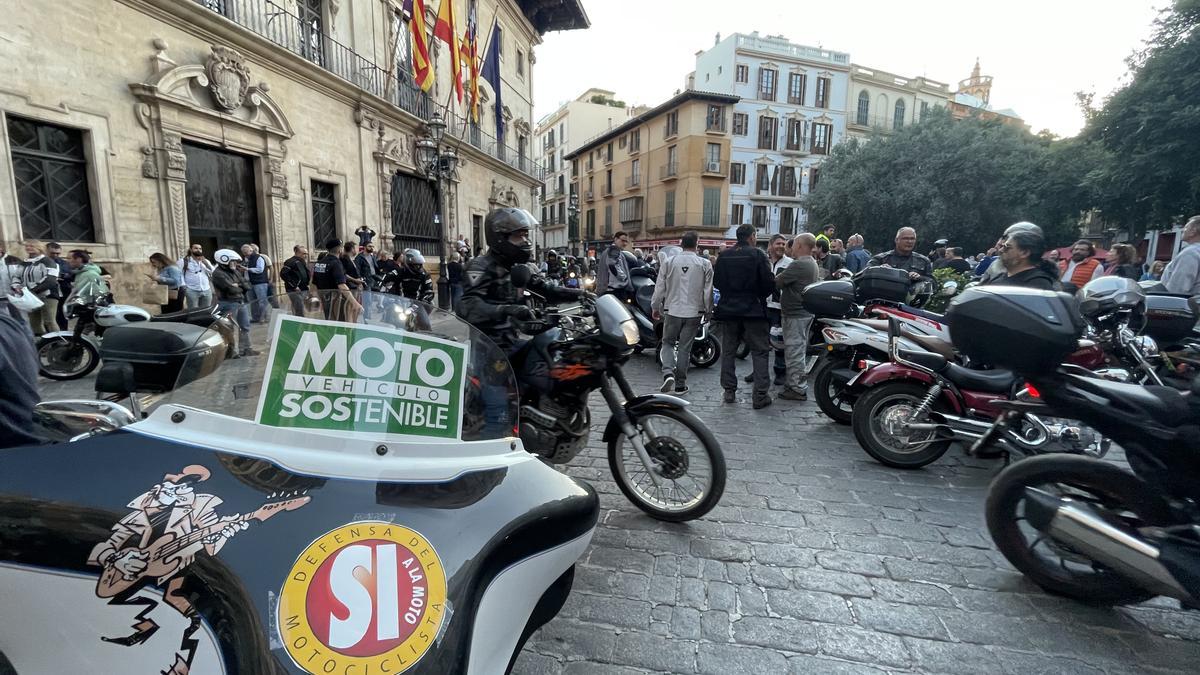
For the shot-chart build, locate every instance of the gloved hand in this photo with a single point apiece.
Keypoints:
(518, 312)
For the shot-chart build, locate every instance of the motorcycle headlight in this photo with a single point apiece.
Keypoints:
(630, 330)
(1148, 345)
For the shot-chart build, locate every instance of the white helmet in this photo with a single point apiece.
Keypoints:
(226, 256)
(413, 257)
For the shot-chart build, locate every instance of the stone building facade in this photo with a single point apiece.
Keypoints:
(660, 174)
(134, 126)
(881, 102)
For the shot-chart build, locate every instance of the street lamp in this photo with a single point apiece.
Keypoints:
(438, 162)
(573, 211)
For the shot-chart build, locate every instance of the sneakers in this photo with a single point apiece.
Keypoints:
(668, 384)
(681, 389)
(730, 396)
(792, 395)
(763, 402)
(250, 352)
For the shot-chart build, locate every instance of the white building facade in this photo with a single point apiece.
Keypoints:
(556, 135)
(882, 102)
(791, 114)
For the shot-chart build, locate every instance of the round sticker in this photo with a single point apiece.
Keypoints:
(368, 597)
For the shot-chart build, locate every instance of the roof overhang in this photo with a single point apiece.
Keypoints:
(554, 15)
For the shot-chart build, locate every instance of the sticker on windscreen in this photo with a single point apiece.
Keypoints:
(366, 597)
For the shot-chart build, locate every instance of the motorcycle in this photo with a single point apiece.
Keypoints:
(1077, 526)
(75, 353)
(337, 506)
(706, 348)
(662, 456)
(910, 409)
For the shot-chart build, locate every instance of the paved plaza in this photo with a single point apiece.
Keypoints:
(819, 560)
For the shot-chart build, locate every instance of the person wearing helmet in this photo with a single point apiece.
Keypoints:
(1021, 257)
(233, 290)
(490, 299)
(409, 278)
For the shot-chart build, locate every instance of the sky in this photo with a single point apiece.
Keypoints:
(1039, 52)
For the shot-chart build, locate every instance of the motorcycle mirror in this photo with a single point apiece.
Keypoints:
(521, 276)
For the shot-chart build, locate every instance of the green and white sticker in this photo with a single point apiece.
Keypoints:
(363, 381)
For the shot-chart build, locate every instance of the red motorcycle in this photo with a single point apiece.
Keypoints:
(910, 409)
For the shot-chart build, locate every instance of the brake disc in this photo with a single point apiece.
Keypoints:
(671, 455)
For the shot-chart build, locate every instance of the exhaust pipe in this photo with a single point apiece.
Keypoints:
(1070, 523)
(952, 427)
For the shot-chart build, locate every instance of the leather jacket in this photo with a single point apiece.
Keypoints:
(490, 298)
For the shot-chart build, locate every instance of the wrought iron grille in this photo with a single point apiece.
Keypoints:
(414, 206)
(324, 212)
(50, 169)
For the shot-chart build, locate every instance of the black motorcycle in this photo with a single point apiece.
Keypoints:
(663, 457)
(1079, 526)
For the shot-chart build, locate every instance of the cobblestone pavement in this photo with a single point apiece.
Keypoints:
(819, 560)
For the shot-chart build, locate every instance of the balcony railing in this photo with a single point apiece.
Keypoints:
(714, 168)
(633, 181)
(766, 94)
(671, 130)
(668, 171)
(606, 191)
(590, 195)
(798, 146)
(272, 20)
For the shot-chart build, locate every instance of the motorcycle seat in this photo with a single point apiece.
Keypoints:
(935, 362)
(1166, 405)
(933, 344)
(184, 315)
(988, 381)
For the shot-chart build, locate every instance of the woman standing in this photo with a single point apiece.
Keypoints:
(40, 276)
(1120, 262)
(454, 272)
(170, 275)
(1156, 271)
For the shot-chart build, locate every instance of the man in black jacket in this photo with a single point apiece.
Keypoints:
(1021, 256)
(743, 277)
(296, 278)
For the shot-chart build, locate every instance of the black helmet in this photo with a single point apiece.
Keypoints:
(499, 224)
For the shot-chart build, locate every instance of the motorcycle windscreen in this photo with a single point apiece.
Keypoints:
(372, 366)
(341, 501)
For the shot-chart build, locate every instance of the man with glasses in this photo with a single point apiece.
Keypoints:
(612, 268)
(904, 257)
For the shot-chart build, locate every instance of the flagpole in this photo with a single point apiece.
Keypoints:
(486, 45)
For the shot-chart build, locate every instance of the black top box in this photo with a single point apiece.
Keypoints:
(831, 299)
(882, 283)
(1022, 329)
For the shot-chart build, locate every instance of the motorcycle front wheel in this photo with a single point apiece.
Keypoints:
(1113, 493)
(831, 397)
(65, 358)
(706, 352)
(888, 405)
(685, 458)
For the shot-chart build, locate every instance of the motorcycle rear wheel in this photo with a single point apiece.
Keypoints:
(865, 420)
(65, 358)
(1100, 484)
(706, 352)
(831, 399)
(674, 462)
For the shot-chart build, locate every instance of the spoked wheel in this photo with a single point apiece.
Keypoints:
(686, 474)
(832, 398)
(1112, 493)
(706, 352)
(65, 358)
(878, 418)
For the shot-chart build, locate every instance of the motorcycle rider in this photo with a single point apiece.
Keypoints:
(233, 290)
(1021, 256)
(904, 257)
(329, 276)
(410, 279)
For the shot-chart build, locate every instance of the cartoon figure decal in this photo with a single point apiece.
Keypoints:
(169, 525)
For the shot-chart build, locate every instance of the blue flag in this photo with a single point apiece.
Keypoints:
(491, 74)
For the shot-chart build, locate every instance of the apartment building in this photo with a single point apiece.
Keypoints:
(662, 173)
(592, 113)
(791, 111)
(882, 102)
(134, 126)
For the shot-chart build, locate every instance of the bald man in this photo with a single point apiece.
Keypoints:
(904, 257)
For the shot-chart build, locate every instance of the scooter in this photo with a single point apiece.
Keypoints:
(706, 348)
(252, 522)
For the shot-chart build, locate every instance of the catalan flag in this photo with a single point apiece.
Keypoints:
(470, 54)
(422, 66)
(446, 30)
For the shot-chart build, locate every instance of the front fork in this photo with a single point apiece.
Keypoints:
(616, 397)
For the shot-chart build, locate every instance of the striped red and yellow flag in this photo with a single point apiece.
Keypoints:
(422, 66)
(446, 30)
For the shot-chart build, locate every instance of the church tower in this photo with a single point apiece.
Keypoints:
(979, 86)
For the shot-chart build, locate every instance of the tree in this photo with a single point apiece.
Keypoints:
(963, 180)
(1152, 126)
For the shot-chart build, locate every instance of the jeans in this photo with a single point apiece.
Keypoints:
(678, 334)
(241, 313)
(297, 298)
(795, 341)
(261, 291)
(44, 319)
(196, 299)
(755, 334)
(774, 316)
(456, 292)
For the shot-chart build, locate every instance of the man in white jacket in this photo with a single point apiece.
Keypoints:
(683, 294)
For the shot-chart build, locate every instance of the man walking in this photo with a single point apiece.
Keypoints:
(796, 320)
(857, 257)
(682, 295)
(197, 273)
(1183, 274)
(743, 276)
